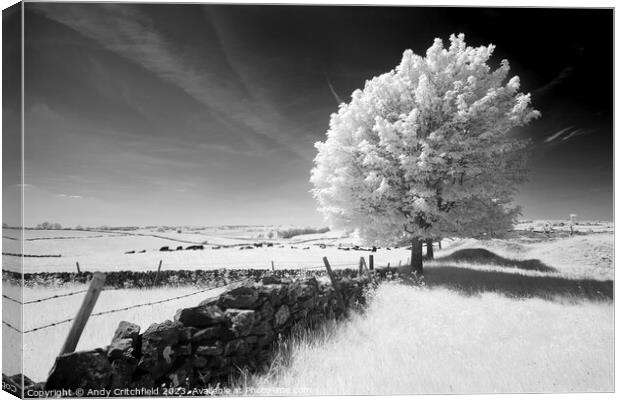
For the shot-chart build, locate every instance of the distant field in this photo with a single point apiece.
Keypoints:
(106, 251)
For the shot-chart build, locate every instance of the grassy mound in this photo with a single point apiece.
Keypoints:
(484, 256)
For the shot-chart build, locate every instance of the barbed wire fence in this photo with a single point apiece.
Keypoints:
(112, 311)
(307, 267)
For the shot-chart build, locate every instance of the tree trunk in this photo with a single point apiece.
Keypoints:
(429, 249)
(416, 256)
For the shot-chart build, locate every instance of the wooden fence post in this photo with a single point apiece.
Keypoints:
(96, 284)
(157, 275)
(364, 263)
(371, 262)
(77, 264)
(334, 283)
(273, 268)
(361, 266)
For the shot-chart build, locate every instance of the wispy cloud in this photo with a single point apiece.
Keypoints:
(567, 134)
(556, 135)
(69, 196)
(332, 90)
(133, 35)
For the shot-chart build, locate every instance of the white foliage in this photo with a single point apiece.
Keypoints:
(422, 151)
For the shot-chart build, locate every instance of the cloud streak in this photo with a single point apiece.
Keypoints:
(556, 135)
(567, 134)
(132, 35)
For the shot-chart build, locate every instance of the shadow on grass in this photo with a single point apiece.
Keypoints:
(473, 282)
(484, 256)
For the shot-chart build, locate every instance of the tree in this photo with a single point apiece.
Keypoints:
(43, 225)
(423, 151)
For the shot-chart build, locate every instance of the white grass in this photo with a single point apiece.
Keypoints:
(414, 340)
(476, 328)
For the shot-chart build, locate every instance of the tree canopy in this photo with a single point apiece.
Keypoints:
(423, 151)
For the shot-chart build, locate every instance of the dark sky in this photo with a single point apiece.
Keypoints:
(207, 114)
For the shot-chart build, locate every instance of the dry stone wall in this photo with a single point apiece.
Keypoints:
(143, 279)
(208, 344)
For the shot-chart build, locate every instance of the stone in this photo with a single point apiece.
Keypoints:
(274, 293)
(251, 339)
(270, 280)
(181, 375)
(143, 381)
(120, 348)
(282, 316)
(206, 334)
(183, 350)
(267, 311)
(201, 316)
(244, 296)
(203, 376)
(218, 363)
(126, 330)
(199, 362)
(261, 329)
(214, 350)
(186, 334)
(122, 372)
(265, 340)
(241, 321)
(236, 346)
(307, 290)
(157, 343)
(309, 303)
(294, 291)
(83, 369)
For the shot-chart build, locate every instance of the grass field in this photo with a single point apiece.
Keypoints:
(422, 341)
(106, 251)
(495, 316)
(497, 325)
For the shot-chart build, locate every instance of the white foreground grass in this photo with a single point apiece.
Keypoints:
(475, 328)
(418, 340)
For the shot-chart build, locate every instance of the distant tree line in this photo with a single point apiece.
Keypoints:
(49, 225)
(289, 233)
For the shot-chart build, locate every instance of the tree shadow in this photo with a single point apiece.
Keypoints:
(484, 256)
(471, 282)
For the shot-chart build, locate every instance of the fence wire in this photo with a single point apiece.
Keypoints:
(227, 283)
(112, 311)
(11, 326)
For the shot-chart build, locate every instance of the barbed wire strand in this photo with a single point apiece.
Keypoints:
(12, 299)
(226, 283)
(11, 326)
(134, 306)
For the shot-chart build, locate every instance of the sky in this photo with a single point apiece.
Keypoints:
(139, 114)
